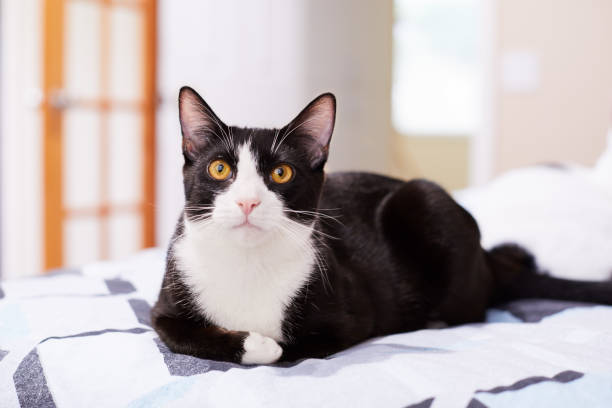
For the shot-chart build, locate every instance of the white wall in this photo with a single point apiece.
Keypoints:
(20, 132)
(258, 63)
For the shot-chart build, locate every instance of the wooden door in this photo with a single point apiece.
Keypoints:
(98, 129)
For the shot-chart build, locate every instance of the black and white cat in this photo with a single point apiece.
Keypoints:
(272, 258)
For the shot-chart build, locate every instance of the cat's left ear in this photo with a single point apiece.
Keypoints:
(199, 124)
(315, 125)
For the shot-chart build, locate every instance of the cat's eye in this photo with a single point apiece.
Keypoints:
(282, 173)
(219, 170)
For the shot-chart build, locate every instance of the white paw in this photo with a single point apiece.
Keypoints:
(260, 349)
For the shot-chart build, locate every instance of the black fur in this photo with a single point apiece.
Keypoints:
(398, 255)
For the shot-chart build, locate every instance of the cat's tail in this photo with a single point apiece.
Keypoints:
(517, 277)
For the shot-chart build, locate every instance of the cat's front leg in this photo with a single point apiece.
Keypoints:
(187, 336)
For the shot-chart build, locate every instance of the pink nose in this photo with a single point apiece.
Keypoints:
(248, 205)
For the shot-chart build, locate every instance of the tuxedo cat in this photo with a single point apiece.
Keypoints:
(273, 259)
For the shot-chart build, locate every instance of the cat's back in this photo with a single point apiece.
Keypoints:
(356, 189)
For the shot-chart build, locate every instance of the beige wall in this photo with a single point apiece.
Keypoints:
(566, 116)
(443, 159)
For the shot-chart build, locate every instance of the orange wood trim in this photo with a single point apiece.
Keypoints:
(129, 3)
(53, 42)
(104, 139)
(150, 97)
(119, 3)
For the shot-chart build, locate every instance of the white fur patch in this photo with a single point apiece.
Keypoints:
(244, 278)
(259, 349)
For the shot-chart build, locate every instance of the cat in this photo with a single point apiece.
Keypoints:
(275, 260)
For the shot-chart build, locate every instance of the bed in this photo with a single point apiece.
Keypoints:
(82, 338)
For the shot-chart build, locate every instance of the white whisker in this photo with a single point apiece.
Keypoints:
(314, 214)
(274, 140)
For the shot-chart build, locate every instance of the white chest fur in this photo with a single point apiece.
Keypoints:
(240, 288)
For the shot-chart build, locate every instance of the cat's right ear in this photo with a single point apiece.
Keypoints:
(199, 124)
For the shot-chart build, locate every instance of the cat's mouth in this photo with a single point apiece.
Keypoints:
(246, 224)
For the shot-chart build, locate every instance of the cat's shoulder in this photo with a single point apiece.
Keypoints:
(352, 180)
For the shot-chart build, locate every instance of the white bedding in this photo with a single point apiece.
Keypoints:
(83, 339)
(563, 214)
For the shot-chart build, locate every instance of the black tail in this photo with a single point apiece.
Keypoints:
(517, 277)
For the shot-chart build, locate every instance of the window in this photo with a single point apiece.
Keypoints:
(437, 71)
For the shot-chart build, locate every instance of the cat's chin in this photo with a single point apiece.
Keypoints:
(247, 226)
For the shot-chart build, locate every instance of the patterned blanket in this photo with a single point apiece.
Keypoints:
(82, 338)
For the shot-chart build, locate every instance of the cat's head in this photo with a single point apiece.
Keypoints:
(250, 183)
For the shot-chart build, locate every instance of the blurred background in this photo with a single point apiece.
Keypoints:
(457, 91)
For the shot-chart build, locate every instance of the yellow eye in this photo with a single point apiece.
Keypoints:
(282, 174)
(219, 170)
